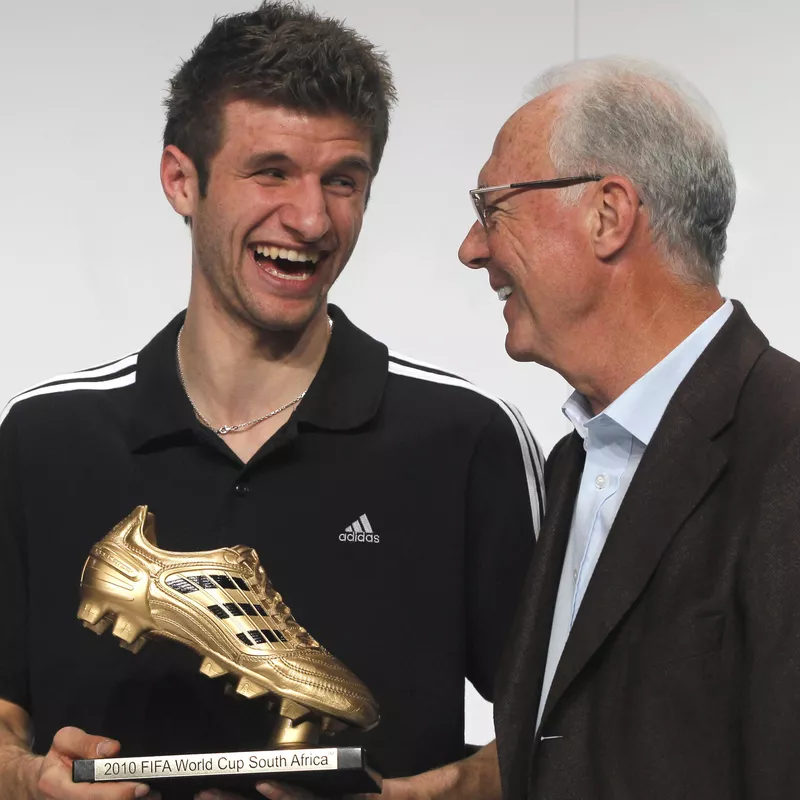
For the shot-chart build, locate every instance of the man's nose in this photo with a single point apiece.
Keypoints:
(306, 212)
(474, 250)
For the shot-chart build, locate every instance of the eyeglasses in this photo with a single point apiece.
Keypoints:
(552, 183)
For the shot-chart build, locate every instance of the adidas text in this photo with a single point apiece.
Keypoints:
(374, 538)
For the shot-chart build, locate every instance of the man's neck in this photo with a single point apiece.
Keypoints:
(234, 372)
(639, 339)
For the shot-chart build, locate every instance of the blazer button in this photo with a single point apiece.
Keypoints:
(242, 489)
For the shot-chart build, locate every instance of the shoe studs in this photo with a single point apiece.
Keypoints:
(211, 669)
(98, 620)
(91, 614)
(125, 629)
(245, 686)
(133, 647)
(293, 710)
(249, 689)
(98, 627)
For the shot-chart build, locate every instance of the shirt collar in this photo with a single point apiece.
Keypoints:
(640, 407)
(345, 393)
(576, 409)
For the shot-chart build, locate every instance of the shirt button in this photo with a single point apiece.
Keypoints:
(242, 489)
(574, 576)
(600, 481)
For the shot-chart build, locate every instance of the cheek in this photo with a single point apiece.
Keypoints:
(548, 250)
(243, 206)
(346, 221)
(545, 274)
(214, 215)
(524, 254)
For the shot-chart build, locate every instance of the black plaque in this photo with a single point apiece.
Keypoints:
(326, 771)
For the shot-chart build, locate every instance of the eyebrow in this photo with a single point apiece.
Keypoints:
(353, 162)
(269, 157)
(277, 157)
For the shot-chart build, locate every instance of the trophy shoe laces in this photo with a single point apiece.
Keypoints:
(275, 607)
(221, 604)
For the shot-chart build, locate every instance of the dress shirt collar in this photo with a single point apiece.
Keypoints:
(640, 407)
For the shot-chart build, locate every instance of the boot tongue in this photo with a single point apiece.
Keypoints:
(249, 558)
(246, 555)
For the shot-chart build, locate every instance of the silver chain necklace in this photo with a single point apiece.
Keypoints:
(225, 429)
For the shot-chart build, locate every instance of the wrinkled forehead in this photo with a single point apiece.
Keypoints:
(522, 147)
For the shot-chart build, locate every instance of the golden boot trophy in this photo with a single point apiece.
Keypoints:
(221, 604)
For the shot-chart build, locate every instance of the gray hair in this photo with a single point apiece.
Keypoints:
(635, 118)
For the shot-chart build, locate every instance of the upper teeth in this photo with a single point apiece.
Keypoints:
(504, 293)
(289, 255)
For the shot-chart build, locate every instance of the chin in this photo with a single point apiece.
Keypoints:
(520, 349)
(286, 323)
(292, 317)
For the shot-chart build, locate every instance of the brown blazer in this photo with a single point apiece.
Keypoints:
(681, 675)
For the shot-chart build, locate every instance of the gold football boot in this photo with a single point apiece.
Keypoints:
(221, 604)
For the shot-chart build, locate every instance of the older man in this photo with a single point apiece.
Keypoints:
(657, 650)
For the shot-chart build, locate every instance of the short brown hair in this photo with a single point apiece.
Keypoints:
(280, 54)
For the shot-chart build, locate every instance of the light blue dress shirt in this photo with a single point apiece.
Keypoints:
(614, 442)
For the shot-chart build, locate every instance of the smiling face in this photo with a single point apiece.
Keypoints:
(535, 248)
(282, 213)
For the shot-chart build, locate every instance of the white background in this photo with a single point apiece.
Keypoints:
(94, 261)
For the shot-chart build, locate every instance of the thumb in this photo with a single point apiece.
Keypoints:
(75, 743)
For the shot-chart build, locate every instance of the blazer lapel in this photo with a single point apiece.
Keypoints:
(647, 520)
(521, 674)
(678, 468)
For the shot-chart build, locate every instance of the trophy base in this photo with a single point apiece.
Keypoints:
(326, 771)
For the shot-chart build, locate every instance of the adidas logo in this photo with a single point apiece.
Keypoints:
(359, 531)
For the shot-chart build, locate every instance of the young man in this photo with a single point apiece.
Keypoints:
(393, 505)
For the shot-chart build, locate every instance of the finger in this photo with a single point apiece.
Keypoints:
(281, 791)
(75, 743)
(119, 791)
(57, 783)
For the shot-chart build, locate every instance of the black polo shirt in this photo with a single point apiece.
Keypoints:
(395, 511)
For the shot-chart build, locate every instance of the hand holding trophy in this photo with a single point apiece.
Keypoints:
(221, 604)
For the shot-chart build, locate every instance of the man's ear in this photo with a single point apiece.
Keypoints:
(179, 181)
(615, 212)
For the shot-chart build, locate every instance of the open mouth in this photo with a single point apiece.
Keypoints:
(290, 265)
